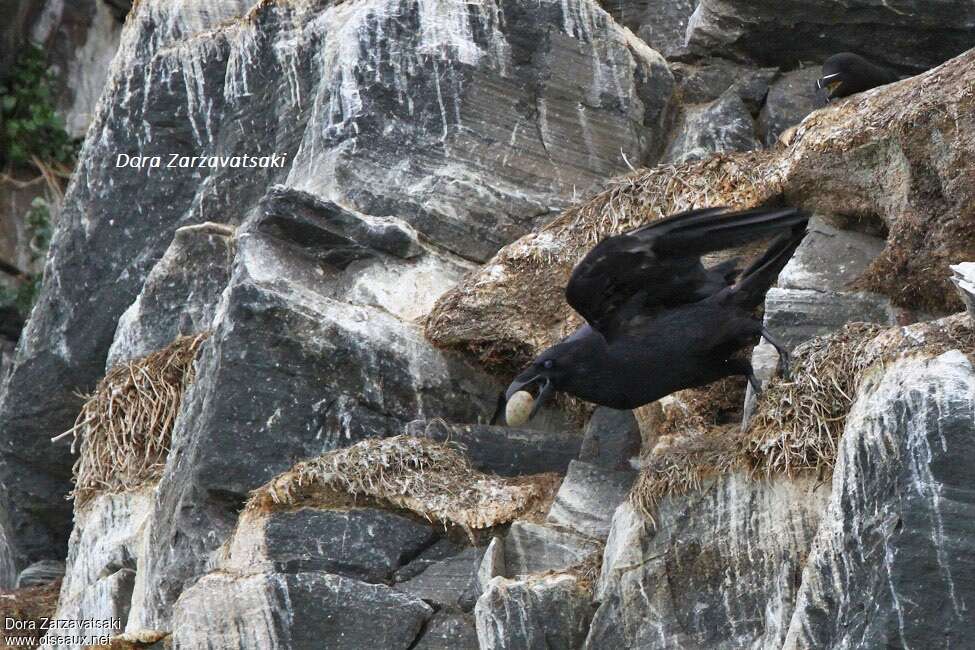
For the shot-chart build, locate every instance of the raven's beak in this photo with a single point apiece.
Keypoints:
(521, 384)
(544, 395)
(526, 381)
(829, 85)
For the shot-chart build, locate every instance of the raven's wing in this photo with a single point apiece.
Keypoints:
(658, 266)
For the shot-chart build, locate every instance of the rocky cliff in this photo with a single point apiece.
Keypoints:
(305, 241)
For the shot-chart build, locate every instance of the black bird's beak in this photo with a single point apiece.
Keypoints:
(545, 393)
(829, 85)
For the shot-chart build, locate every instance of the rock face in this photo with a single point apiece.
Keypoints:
(588, 497)
(180, 294)
(533, 548)
(80, 39)
(504, 450)
(790, 98)
(784, 33)
(550, 612)
(467, 129)
(723, 125)
(303, 610)
(332, 373)
(901, 496)
(660, 23)
(720, 571)
(103, 557)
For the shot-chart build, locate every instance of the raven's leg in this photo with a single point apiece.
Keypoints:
(785, 359)
(743, 367)
(498, 409)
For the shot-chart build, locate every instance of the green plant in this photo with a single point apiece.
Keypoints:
(31, 129)
(39, 231)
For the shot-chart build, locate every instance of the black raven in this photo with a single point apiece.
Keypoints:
(657, 320)
(847, 73)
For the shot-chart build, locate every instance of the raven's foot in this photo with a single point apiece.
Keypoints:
(785, 366)
(785, 359)
(755, 384)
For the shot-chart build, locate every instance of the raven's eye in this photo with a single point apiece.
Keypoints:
(548, 364)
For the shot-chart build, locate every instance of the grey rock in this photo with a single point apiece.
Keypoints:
(706, 81)
(964, 279)
(449, 631)
(295, 610)
(830, 259)
(891, 566)
(533, 548)
(290, 372)
(588, 497)
(785, 32)
(724, 125)
(334, 235)
(363, 543)
(611, 439)
(718, 571)
(180, 294)
(502, 119)
(40, 573)
(550, 613)
(664, 25)
(504, 450)
(621, 552)
(660, 23)
(105, 555)
(790, 99)
(96, 267)
(442, 549)
(451, 582)
(797, 315)
(492, 564)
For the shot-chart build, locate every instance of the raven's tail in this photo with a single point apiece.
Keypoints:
(758, 278)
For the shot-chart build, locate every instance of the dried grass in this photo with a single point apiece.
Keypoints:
(432, 479)
(680, 464)
(798, 421)
(29, 604)
(126, 422)
(739, 180)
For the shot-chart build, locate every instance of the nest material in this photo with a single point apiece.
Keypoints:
(126, 424)
(798, 421)
(29, 604)
(433, 479)
(683, 463)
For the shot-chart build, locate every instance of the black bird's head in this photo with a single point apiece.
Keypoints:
(847, 73)
(556, 369)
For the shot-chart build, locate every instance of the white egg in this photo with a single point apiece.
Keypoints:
(518, 408)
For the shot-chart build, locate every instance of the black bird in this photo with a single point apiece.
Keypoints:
(657, 320)
(847, 73)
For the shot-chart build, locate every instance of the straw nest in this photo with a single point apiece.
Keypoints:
(126, 424)
(432, 479)
(798, 421)
(29, 605)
